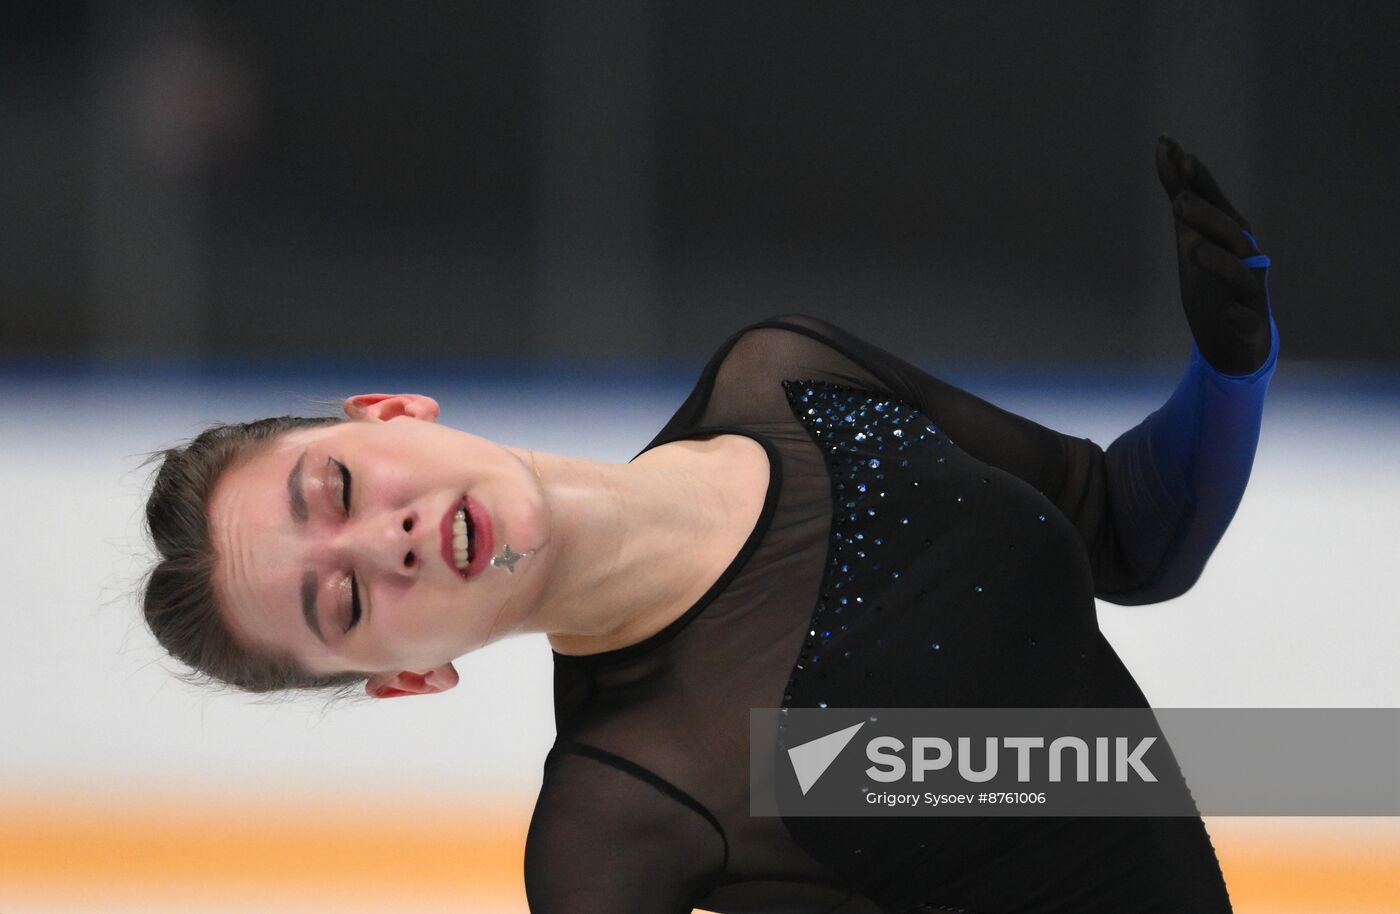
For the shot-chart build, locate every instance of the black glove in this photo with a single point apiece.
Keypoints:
(1222, 272)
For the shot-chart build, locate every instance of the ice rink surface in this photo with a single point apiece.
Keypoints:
(108, 761)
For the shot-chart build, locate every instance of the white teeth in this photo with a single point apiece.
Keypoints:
(461, 542)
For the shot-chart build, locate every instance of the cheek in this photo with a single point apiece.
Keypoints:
(395, 487)
(412, 613)
(415, 632)
(389, 477)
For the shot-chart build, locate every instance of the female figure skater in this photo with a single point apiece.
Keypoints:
(820, 522)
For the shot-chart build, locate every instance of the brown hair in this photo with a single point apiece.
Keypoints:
(179, 600)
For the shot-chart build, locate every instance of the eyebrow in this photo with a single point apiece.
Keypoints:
(296, 494)
(308, 604)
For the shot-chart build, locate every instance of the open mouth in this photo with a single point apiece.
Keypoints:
(459, 538)
(466, 536)
(463, 539)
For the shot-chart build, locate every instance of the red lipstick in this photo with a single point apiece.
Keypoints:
(480, 533)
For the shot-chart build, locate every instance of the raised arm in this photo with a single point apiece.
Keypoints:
(1176, 479)
(1151, 509)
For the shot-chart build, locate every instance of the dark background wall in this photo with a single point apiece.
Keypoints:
(601, 183)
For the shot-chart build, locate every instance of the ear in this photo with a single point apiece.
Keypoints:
(439, 679)
(383, 407)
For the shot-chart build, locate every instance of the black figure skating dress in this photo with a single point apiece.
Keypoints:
(919, 547)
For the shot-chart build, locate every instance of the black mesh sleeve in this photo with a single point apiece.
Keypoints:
(1131, 526)
(608, 840)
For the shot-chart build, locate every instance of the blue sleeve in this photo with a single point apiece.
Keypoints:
(1149, 511)
(1176, 479)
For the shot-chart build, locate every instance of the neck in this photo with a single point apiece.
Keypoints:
(625, 552)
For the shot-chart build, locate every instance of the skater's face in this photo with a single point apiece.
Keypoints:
(329, 542)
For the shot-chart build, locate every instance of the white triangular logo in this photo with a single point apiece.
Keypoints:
(811, 759)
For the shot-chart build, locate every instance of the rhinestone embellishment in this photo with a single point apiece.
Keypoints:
(849, 425)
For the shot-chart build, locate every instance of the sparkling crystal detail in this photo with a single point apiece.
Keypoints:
(856, 428)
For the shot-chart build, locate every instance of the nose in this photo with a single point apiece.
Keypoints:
(390, 543)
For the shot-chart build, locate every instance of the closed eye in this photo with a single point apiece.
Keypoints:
(354, 582)
(354, 604)
(344, 484)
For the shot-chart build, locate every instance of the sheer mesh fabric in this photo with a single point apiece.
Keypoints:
(645, 805)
